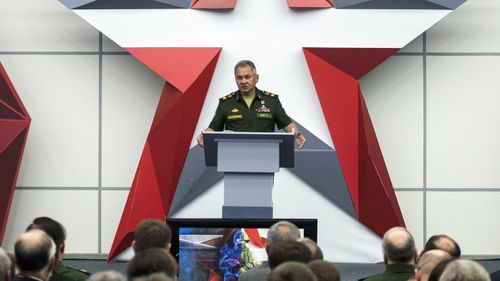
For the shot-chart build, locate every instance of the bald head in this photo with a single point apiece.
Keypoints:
(428, 262)
(398, 246)
(34, 251)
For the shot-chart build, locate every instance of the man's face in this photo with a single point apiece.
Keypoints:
(246, 79)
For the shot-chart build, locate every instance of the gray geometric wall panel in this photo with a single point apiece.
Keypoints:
(72, 4)
(317, 165)
(129, 4)
(398, 4)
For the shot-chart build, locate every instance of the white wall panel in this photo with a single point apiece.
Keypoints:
(417, 45)
(411, 204)
(463, 121)
(130, 97)
(469, 217)
(113, 202)
(109, 46)
(394, 96)
(61, 96)
(43, 25)
(473, 27)
(76, 210)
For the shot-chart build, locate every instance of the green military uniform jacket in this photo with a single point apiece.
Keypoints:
(69, 272)
(265, 111)
(394, 272)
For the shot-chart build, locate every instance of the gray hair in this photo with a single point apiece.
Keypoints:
(108, 275)
(282, 231)
(464, 270)
(401, 251)
(5, 264)
(243, 63)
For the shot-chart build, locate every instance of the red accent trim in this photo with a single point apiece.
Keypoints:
(310, 4)
(213, 4)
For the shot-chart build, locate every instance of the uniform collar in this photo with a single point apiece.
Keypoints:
(258, 94)
(400, 267)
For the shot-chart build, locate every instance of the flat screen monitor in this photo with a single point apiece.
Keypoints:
(221, 249)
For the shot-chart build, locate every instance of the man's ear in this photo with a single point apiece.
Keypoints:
(133, 246)
(256, 78)
(169, 245)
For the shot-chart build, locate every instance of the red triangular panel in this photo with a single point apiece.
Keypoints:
(7, 112)
(10, 129)
(8, 94)
(166, 150)
(310, 4)
(375, 188)
(337, 92)
(144, 201)
(10, 161)
(354, 61)
(335, 77)
(213, 4)
(178, 66)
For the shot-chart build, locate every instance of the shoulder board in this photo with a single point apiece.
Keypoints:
(79, 270)
(226, 97)
(273, 95)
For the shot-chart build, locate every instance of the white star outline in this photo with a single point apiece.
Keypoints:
(272, 35)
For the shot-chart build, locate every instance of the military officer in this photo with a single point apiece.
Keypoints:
(250, 109)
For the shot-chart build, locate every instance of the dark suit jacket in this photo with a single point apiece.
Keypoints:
(258, 273)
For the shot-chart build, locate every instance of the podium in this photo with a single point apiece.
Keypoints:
(248, 161)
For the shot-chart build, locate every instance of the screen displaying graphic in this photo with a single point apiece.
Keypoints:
(222, 249)
(220, 253)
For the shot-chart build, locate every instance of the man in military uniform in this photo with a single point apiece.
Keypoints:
(57, 232)
(250, 109)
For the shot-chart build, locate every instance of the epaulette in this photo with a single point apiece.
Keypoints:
(226, 97)
(270, 94)
(81, 270)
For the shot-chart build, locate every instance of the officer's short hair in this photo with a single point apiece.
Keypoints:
(291, 271)
(401, 253)
(243, 63)
(284, 251)
(316, 252)
(464, 270)
(108, 275)
(282, 231)
(33, 250)
(52, 227)
(443, 242)
(324, 271)
(152, 233)
(5, 264)
(151, 261)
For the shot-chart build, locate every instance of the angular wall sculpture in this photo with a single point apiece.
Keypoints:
(14, 125)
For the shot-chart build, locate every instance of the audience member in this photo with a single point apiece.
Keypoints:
(317, 254)
(438, 270)
(292, 271)
(464, 270)
(443, 242)
(107, 276)
(57, 232)
(288, 251)
(399, 253)
(324, 270)
(35, 256)
(428, 261)
(149, 261)
(280, 231)
(5, 265)
(152, 233)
